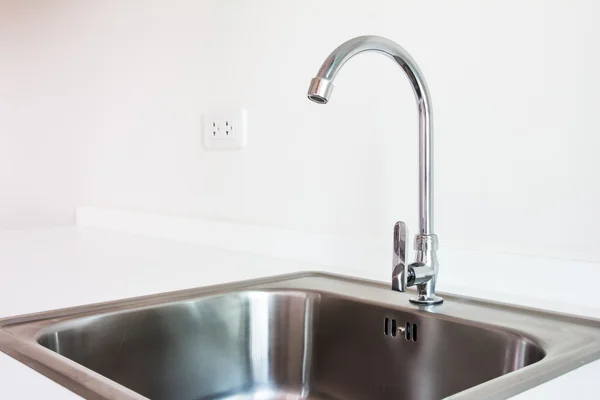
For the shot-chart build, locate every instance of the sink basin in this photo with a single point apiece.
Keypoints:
(301, 336)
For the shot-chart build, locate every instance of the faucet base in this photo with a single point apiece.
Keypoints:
(428, 301)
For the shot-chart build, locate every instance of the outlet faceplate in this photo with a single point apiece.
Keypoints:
(225, 129)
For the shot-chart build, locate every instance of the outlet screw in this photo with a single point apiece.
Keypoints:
(401, 331)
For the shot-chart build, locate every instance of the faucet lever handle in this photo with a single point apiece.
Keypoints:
(399, 267)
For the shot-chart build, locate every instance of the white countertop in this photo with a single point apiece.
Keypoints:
(52, 268)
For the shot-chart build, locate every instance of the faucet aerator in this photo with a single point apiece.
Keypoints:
(320, 90)
(317, 99)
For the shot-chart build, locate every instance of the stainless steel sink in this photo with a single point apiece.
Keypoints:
(301, 336)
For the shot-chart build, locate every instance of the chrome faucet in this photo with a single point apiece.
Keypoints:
(423, 271)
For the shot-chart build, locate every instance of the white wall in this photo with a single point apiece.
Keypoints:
(514, 85)
(40, 115)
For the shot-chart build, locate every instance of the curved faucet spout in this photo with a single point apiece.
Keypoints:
(320, 90)
(321, 87)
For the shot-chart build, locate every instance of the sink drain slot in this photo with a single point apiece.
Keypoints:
(408, 330)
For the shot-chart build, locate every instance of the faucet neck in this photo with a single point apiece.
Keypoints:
(322, 85)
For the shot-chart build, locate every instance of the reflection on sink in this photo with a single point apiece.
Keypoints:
(300, 336)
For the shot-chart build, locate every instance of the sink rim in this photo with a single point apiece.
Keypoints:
(19, 335)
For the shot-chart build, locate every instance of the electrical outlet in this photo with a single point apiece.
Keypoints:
(225, 129)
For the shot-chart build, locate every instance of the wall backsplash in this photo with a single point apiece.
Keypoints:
(514, 87)
(41, 114)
